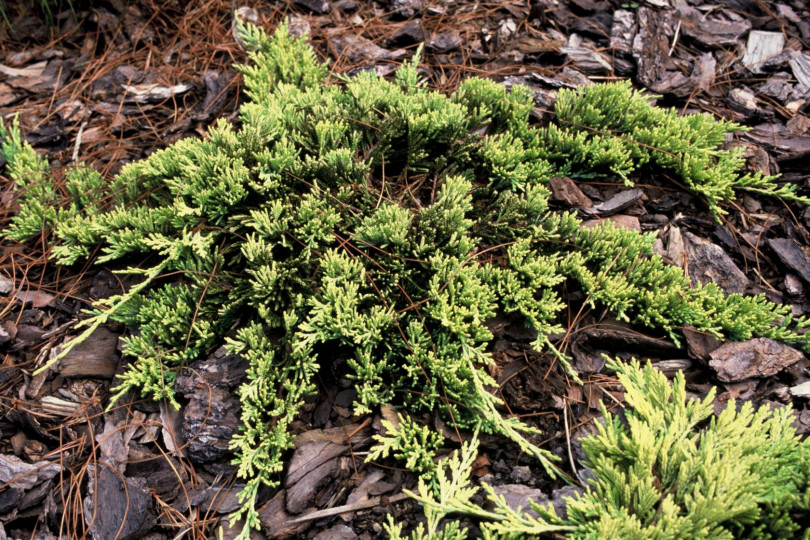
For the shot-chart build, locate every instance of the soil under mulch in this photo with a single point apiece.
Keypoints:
(111, 84)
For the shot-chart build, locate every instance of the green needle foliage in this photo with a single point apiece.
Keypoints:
(409, 442)
(367, 224)
(613, 127)
(671, 469)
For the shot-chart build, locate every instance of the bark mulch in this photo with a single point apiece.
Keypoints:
(113, 82)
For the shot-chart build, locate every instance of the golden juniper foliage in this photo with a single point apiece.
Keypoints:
(613, 127)
(377, 225)
(671, 469)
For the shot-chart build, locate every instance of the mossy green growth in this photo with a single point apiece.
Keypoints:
(367, 224)
(669, 469)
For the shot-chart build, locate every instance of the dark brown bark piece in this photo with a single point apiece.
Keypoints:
(699, 344)
(792, 255)
(276, 522)
(220, 369)
(312, 465)
(97, 356)
(658, 69)
(357, 48)
(37, 299)
(8, 95)
(316, 6)
(116, 509)
(16, 473)
(216, 94)
(776, 137)
(369, 485)
(799, 125)
(164, 475)
(445, 42)
(778, 86)
(216, 498)
(559, 496)
(111, 443)
(712, 31)
(618, 336)
(709, 263)
(413, 32)
(565, 190)
(20, 479)
(210, 420)
(755, 358)
(621, 201)
(316, 461)
(212, 415)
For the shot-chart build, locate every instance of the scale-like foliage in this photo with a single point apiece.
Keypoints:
(670, 469)
(370, 227)
(409, 442)
(615, 128)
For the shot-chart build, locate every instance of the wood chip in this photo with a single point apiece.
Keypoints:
(277, 522)
(794, 257)
(700, 344)
(586, 59)
(676, 251)
(762, 46)
(6, 285)
(22, 484)
(96, 357)
(15, 473)
(712, 31)
(621, 201)
(755, 358)
(34, 70)
(311, 466)
(566, 191)
(153, 93)
(357, 48)
(709, 263)
(801, 390)
(56, 406)
(623, 31)
(116, 509)
(37, 299)
(800, 65)
(673, 366)
(361, 492)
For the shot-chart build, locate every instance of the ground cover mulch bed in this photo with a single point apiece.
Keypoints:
(111, 83)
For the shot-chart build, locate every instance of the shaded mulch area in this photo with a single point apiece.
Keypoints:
(110, 84)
